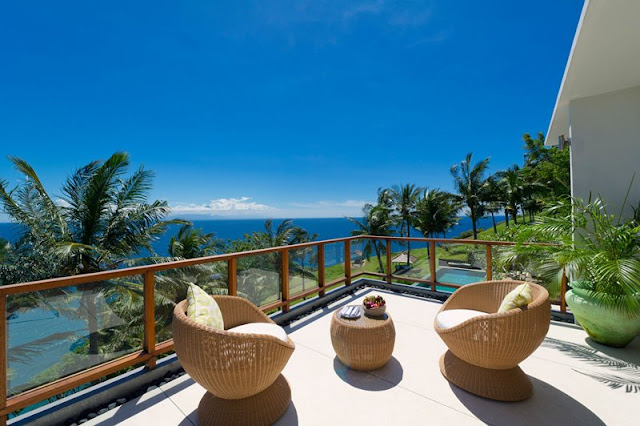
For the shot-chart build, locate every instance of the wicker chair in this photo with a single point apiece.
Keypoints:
(484, 351)
(241, 372)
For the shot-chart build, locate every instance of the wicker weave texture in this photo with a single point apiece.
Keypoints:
(263, 408)
(502, 385)
(499, 340)
(363, 344)
(229, 365)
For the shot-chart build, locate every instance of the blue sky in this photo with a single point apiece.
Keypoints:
(278, 108)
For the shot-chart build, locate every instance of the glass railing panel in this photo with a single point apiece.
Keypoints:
(410, 261)
(333, 261)
(303, 269)
(171, 288)
(460, 264)
(55, 333)
(259, 278)
(369, 258)
(361, 255)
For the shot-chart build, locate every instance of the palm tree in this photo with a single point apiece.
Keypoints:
(377, 220)
(191, 243)
(512, 185)
(258, 285)
(469, 182)
(5, 247)
(436, 212)
(492, 198)
(405, 198)
(286, 234)
(102, 220)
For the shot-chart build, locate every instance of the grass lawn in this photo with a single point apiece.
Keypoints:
(420, 269)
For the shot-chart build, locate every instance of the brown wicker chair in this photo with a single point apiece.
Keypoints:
(241, 372)
(484, 352)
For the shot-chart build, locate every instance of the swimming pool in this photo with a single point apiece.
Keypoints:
(460, 276)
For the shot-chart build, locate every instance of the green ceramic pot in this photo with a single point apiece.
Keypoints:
(605, 326)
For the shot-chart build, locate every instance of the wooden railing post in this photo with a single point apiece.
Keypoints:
(285, 279)
(232, 276)
(563, 291)
(389, 266)
(321, 277)
(347, 262)
(489, 262)
(3, 357)
(432, 264)
(149, 319)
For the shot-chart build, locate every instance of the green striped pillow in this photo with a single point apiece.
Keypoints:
(519, 297)
(202, 308)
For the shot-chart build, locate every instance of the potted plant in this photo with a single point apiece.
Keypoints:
(601, 256)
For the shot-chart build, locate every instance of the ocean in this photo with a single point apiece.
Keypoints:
(232, 229)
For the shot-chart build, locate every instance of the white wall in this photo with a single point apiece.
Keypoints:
(605, 147)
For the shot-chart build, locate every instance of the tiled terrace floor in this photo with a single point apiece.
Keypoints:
(576, 381)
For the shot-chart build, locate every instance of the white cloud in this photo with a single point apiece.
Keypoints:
(331, 204)
(243, 207)
(222, 207)
(62, 203)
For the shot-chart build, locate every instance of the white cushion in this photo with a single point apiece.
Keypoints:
(453, 317)
(261, 328)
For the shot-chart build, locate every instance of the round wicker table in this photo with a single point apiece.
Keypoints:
(365, 343)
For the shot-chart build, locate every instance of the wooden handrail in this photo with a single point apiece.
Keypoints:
(150, 349)
(139, 270)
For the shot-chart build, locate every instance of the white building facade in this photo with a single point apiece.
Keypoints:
(598, 105)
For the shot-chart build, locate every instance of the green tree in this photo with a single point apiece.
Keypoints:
(103, 220)
(190, 243)
(512, 184)
(376, 220)
(494, 200)
(436, 212)
(5, 247)
(257, 276)
(547, 167)
(469, 182)
(404, 198)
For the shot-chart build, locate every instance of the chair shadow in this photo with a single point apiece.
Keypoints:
(289, 418)
(378, 380)
(547, 404)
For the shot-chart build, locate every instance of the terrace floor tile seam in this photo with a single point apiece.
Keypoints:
(370, 373)
(186, 415)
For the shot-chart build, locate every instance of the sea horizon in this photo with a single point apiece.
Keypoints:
(228, 229)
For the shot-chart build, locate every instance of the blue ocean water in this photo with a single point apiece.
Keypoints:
(231, 229)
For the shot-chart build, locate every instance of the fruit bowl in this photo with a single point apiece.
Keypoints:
(374, 306)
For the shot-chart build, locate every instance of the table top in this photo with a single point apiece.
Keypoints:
(363, 321)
